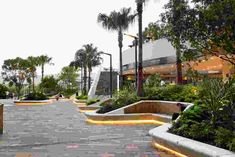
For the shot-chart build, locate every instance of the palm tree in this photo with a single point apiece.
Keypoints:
(32, 63)
(93, 59)
(117, 21)
(44, 59)
(140, 65)
(80, 60)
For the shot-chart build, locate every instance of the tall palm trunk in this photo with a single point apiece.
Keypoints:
(89, 78)
(81, 80)
(33, 76)
(42, 72)
(178, 67)
(140, 66)
(120, 39)
(85, 80)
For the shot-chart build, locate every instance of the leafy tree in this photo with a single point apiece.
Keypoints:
(67, 80)
(153, 32)
(42, 61)
(211, 29)
(117, 21)
(14, 71)
(3, 90)
(49, 85)
(175, 20)
(208, 28)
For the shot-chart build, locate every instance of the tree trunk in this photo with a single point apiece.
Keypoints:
(178, 67)
(89, 78)
(33, 83)
(81, 87)
(120, 38)
(85, 80)
(42, 72)
(140, 66)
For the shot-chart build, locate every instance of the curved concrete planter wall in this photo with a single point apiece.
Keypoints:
(92, 107)
(185, 146)
(81, 102)
(147, 111)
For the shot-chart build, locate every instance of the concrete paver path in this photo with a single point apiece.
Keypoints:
(58, 130)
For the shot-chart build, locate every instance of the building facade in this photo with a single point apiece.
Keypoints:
(160, 57)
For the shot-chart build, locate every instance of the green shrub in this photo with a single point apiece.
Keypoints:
(189, 93)
(225, 138)
(211, 119)
(36, 96)
(122, 98)
(82, 97)
(231, 145)
(107, 108)
(183, 93)
(92, 101)
(3, 90)
(218, 96)
(153, 81)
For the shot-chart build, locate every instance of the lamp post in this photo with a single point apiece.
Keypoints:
(111, 73)
(135, 44)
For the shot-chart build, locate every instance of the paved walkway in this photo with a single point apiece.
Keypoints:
(58, 130)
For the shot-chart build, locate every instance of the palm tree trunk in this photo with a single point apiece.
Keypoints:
(140, 66)
(81, 87)
(42, 72)
(178, 67)
(120, 38)
(89, 78)
(85, 80)
(33, 83)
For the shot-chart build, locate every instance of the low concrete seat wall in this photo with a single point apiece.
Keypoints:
(80, 101)
(88, 107)
(32, 102)
(153, 106)
(145, 116)
(151, 110)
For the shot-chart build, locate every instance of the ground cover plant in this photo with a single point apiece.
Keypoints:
(92, 101)
(212, 120)
(81, 97)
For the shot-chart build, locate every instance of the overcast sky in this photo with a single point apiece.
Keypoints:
(60, 27)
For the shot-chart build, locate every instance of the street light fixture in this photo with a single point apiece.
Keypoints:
(111, 73)
(135, 44)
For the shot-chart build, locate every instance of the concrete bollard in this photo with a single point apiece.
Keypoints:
(1, 118)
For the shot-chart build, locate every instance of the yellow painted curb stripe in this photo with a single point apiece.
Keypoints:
(157, 145)
(113, 122)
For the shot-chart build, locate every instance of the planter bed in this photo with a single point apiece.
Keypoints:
(184, 146)
(139, 112)
(92, 107)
